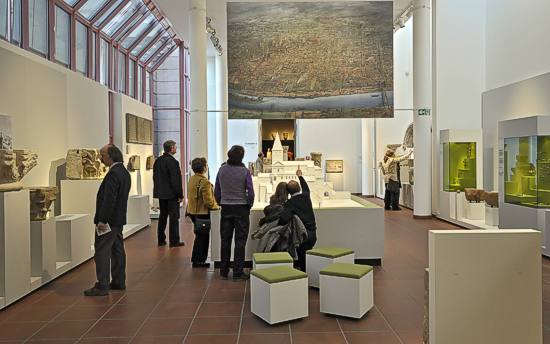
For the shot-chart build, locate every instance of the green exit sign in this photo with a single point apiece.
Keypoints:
(424, 112)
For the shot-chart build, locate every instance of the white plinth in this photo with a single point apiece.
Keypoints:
(348, 297)
(15, 246)
(491, 216)
(485, 286)
(43, 249)
(314, 264)
(475, 211)
(138, 216)
(72, 238)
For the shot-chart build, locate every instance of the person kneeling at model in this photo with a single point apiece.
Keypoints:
(201, 201)
(300, 205)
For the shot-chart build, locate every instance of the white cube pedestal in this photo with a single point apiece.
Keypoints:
(72, 239)
(475, 211)
(491, 216)
(347, 297)
(138, 216)
(15, 246)
(279, 302)
(43, 249)
(314, 264)
(265, 266)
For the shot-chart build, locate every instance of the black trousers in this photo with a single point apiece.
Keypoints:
(391, 199)
(201, 243)
(234, 219)
(303, 248)
(169, 208)
(110, 258)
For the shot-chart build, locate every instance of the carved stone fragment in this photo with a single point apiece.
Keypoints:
(491, 198)
(473, 195)
(5, 132)
(41, 201)
(134, 163)
(85, 164)
(14, 165)
(316, 157)
(150, 162)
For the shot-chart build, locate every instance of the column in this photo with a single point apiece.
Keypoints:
(422, 100)
(222, 105)
(198, 126)
(368, 156)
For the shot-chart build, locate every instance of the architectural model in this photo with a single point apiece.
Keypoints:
(14, 165)
(41, 199)
(85, 163)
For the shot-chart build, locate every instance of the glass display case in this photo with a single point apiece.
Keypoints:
(459, 166)
(527, 171)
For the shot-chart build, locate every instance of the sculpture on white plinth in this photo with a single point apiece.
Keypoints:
(41, 199)
(85, 163)
(14, 165)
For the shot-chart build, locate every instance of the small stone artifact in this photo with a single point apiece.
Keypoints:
(41, 201)
(473, 195)
(408, 140)
(491, 198)
(134, 163)
(316, 157)
(15, 164)
(150, 162)
(85, 163)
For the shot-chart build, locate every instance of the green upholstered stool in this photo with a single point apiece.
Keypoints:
(271, 259)
(346, 289)
(320, 257)
(278, 294)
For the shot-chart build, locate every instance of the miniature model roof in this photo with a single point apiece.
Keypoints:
(277, 146)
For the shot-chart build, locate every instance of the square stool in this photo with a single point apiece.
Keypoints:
(321, 257)
(271, 259)
(346, 290)
(278, 294)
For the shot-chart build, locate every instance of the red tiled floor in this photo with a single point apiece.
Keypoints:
(169, 302)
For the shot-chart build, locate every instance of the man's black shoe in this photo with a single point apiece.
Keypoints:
(224, 275)
(201, 265)
(117, 287)
(94, 291)
(178, 244)
(241, 277)
(162, 243)
(396, 209)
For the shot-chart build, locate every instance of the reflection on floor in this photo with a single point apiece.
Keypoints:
(169, 302)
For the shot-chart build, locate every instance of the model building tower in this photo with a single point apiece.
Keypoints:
(277, 150)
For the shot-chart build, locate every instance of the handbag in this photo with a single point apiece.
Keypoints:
(202, 226)
(393, 186)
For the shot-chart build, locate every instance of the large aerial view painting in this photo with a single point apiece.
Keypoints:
(310, 60)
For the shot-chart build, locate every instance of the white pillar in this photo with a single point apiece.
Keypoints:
(221, 105)
(198, 128)
(422, 99)
(368, 156)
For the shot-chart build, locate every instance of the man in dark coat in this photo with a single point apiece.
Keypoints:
(167, 187)
(110, 217)
(300, 204)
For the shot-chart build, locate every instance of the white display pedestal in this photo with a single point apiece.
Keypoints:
(485, 286)
(15, 246)
(43, 250)
(475, 211)
(72, 233)
(491, 216)
(138, 214)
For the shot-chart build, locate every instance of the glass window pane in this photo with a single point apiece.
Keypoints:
(62, 36)
(146, 40)
(91, 8)
(160, 54)
(104, 62)
(38, 25)
(107, 13)
(4, 18)
(71, 2)
(154, 48)
(139, 84)
(121, 72)
(138, 31)
(131, 72)
(121, 18)
(147, 89)
(81, 48)
(16, 22)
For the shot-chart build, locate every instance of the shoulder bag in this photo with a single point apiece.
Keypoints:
(202, 226)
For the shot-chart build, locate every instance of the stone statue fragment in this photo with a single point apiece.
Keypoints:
(5, 132)
(473, 195)
(85, 163)
(491, 198)
(41, 201)
(134, 163)
(316, 157)
(14, 165)
(150, 162)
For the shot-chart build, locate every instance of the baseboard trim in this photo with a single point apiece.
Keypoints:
(423, 217)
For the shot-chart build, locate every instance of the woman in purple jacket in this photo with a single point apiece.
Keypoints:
(234, 192)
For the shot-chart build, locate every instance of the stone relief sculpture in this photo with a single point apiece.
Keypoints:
(408, 140)
(85, 163)
(5, 132)
(14, 165)
(41, 201)
(473, 195)
(134, 163)
(150, 162)
(491, 198)
(316, 157)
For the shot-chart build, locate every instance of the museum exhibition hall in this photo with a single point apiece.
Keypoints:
(395, 171)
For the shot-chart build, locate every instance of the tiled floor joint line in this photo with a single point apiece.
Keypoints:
(242, 313)
(196, 313)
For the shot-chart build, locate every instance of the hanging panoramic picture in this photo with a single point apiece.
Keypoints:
(310, 60)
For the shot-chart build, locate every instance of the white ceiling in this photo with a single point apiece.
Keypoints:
(177, 11)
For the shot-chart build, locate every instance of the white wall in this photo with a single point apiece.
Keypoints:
(244, 132)
(516, 40)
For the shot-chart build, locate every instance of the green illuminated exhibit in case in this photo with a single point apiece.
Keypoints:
(527, 171)
(459, 166)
